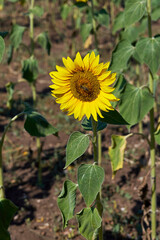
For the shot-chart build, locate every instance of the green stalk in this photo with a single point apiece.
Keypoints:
(94, 25)
(112, 12)
(2, 192)
(99, 148)
(31, 17)
(140, 125)
(96, 158)
(34, 95)
(153, 168)
(152, 141)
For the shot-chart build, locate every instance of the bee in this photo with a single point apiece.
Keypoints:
(84, 88)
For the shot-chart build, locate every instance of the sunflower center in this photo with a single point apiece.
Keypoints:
(85, 86)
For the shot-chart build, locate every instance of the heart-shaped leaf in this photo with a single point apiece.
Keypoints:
(134, 11)
(16, 35)
(148, 50)
(90, 179)
(85, 30)
(67, 201)
(7, 211)
(43, 40)
(113, 117)
(116, 153)
(30, 69)
(89, 222)
(135, 103)
(76, 146)
(122, 53)
(36, 125)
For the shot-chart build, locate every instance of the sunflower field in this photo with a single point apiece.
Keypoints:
(79, 119)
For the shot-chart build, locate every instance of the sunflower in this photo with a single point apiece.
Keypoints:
(82, 87)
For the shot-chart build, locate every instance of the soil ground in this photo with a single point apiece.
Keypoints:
(38, 216)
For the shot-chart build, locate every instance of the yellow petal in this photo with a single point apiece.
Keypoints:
(92, 57)
(95, 63)
(105, 101)
(69, 64)
(93, 110)
(63, 70)
(60, 75)
(104, 76)
(60, 82)
(61, 90)
(106, 65)
(78, 110)
(109, 96)
(65, 98)
(98, 69)
(78, 61)
(86, 110)
(86, 62)
(106, 88)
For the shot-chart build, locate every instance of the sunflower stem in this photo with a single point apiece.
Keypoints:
(94, 25)
(112, 12)
(34, 95)
(140, 124)
(97, 160)
(31, 17)
(2, 192)
(152, 145)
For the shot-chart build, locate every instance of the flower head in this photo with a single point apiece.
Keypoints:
(82, 87)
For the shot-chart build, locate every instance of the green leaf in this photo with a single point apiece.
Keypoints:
(67, 201)
(3, 34)
(134, 11)
(148, 50)
(142, 25)
(87, 124)
(113, 117)
(90, 179)
(7, 211)
(76, 146)
(16, 35)
(85, 30)
(131, 34)
(81, 4)
(2, 48)
(10, 53)
(118, 88)
(118, 22)
(30, 69)
(36, 125)
(89, 222)
(155, 4)
(157, 137)
(43, 40)
(102, 17)
(155, 14)
(116, 153)
(157, 133)
(135, 103)
(65, 10)
(37, 11)
(122, 53)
